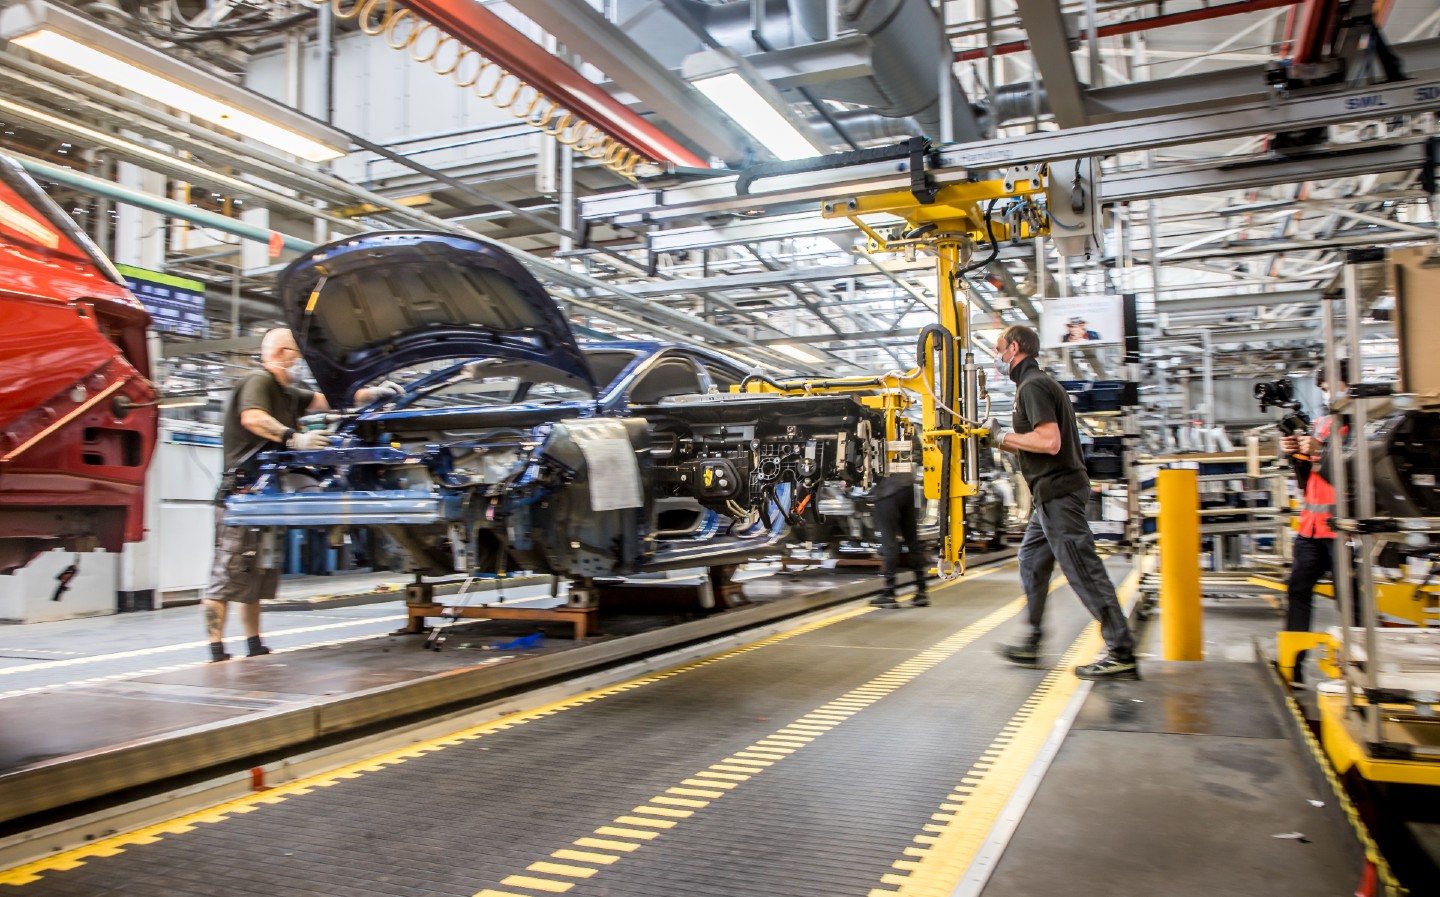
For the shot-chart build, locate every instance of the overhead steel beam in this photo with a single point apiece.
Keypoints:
(868, 336)
(763, 279)
(1050, 47)
(743, 230)
(165, 163)
(1238, 174)
(111, 190)
(1210, 89)
(585, 30)
(1132, 26)
(481, 30)
(1267, 246)
(1243, 300)
(955, 163)
(1228, 337)
(107, 106)
(1126, 186)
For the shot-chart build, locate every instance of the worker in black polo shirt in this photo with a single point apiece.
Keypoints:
(1045, 438)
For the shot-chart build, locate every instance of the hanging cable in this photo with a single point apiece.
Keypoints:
(994, 244)
(425, 43)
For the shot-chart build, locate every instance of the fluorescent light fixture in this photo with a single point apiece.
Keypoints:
(749, 101)
(81, 44)
(797, 353)
(737, 99)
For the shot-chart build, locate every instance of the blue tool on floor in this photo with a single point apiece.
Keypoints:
(524, 641)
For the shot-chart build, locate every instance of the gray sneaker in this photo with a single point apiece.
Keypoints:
(1110, 667)
(1025, 654)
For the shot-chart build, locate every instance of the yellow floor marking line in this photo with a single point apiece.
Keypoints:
(561, 869)
(29, 872)
(70, 859)
(1386, 875)
(734, 768)
(538, 884)
(948, 845)
(585, 856)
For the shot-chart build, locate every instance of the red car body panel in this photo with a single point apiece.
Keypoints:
(74, 363)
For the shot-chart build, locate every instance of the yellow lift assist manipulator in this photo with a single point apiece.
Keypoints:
(949, 222)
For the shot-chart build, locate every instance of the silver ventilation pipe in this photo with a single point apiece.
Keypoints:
(908, 53)
(908, 50)
(865, 127)
(1010, 102)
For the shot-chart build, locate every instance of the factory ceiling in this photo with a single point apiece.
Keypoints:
(1240, 234)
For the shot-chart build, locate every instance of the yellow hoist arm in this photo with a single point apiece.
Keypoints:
(954, 225)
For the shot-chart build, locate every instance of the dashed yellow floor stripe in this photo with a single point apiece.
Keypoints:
(944, 850)
(736, 769)
(70, 859)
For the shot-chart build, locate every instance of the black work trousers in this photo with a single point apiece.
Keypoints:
(1058, 531)
(896, 520)
(1311, 561)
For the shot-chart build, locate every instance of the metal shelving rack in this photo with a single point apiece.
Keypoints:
(1381, 722)
(1128, 422)
(1273, 516)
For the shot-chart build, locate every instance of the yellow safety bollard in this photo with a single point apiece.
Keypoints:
(1181, 629)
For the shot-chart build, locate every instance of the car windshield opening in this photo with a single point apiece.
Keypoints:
(494, 381)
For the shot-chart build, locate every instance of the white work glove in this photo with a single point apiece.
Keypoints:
(996, 439)
(309, 440)
(383, 392)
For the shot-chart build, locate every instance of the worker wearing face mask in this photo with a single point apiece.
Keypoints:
(263, 415)
(1047, 442)
(1313, 554)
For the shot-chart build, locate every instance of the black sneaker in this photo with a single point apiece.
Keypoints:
(884, 601)
(259, 652)
(1025, 654)
(1110, 667)
(920, 600)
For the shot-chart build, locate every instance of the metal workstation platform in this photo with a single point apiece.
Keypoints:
(855, 751)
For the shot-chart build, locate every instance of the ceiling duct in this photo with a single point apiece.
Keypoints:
(908, 50)
(864, 126)
(1011, 102)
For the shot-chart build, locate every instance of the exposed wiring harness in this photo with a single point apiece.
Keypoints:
(994, 244)
(174, 29)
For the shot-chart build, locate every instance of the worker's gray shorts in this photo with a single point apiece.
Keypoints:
(236, 574)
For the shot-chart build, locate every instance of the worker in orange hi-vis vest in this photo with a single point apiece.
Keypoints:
(1313, 556)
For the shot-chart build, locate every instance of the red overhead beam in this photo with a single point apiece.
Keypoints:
(1131, 27)
(486, 33)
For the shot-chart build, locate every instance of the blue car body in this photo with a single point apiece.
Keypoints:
(514, 446)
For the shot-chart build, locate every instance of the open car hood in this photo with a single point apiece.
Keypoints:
(369, 305)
